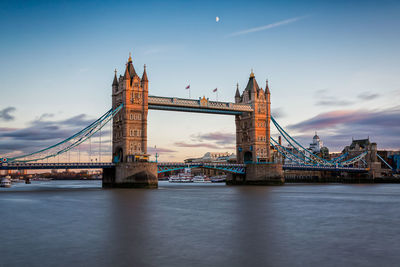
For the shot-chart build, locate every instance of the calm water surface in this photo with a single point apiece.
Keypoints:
(76, 223)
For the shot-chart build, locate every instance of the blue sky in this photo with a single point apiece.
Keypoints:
(321, 58)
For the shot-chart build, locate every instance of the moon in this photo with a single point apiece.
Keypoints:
(217, 19)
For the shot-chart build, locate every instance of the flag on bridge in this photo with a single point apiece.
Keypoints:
(187, 87)
(216, 89)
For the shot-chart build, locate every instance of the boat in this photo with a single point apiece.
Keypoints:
(218, 179)
(5, 182)
(183, 177)
(201, 179)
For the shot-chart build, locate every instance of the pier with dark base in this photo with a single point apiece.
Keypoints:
(131, 175)
(258, 174)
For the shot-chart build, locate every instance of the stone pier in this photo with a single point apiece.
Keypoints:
(258, 174)
(131, 175)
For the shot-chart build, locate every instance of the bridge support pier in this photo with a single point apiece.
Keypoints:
(374, 170)
(258, 174)
(131, 175)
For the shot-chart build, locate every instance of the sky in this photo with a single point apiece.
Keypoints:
(333, 68)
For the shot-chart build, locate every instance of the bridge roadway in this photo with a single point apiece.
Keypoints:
(203, 105)
(171, 166)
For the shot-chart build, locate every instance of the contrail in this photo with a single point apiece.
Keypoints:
(266, 27)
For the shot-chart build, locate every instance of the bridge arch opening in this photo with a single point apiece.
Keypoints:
(248, 157)
(118, 155)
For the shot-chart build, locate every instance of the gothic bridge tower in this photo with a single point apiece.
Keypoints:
(130, 124)
(253, 129)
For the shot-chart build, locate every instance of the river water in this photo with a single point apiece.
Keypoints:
(76, 223)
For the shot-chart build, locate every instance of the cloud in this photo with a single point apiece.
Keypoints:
(5, 114)
(368, 96)
(152, 150)
(325, 99)
(204, 145)
(45, 116)
(218, 138)
(278, 113)
(383, 126)
(266, 27)
(41, 133)
(333, 102)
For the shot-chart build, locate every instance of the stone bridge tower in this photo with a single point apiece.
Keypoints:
(129, 149)
(130, 124)
(253, 129)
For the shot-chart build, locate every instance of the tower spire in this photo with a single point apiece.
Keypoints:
(237, 90)
(115, 82)
(252, 73)
(144, 76)
(267, 87)
(127, 75)
(130, 58)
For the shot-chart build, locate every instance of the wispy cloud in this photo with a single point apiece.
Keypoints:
(368, 96)
(266, 27)
(219, 138)
(204, 145)
(325, 98)
(5, 114)
(278, 113)
(333, 102)
(153, 150)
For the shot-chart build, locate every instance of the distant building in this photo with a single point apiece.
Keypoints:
(316, 145)
(359, 146)
(214, 157)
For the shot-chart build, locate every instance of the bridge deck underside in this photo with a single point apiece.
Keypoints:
(195, 110)
(199, 106)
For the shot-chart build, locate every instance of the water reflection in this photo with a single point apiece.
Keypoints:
(78, 223)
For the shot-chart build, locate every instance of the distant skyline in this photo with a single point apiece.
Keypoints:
(333, 68)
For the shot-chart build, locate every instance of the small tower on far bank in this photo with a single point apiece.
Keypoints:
(253, 129)
(130, 124)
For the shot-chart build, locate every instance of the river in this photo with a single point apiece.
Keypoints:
(76, 223)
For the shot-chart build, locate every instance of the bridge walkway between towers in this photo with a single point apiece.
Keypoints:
(202, 105)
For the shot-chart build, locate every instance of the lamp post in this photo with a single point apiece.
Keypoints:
(155, 147)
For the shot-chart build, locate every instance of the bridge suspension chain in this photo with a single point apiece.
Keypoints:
(287, 154)
(71, 142)
(312, 158)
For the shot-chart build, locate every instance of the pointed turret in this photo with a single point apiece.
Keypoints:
(115, 82)
(130, 69)
(237, 95)
(252, 86)
(127, 76)
(144, 76)
(267, 88)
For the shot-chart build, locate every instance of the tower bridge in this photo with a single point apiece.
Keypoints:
(259, 156)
